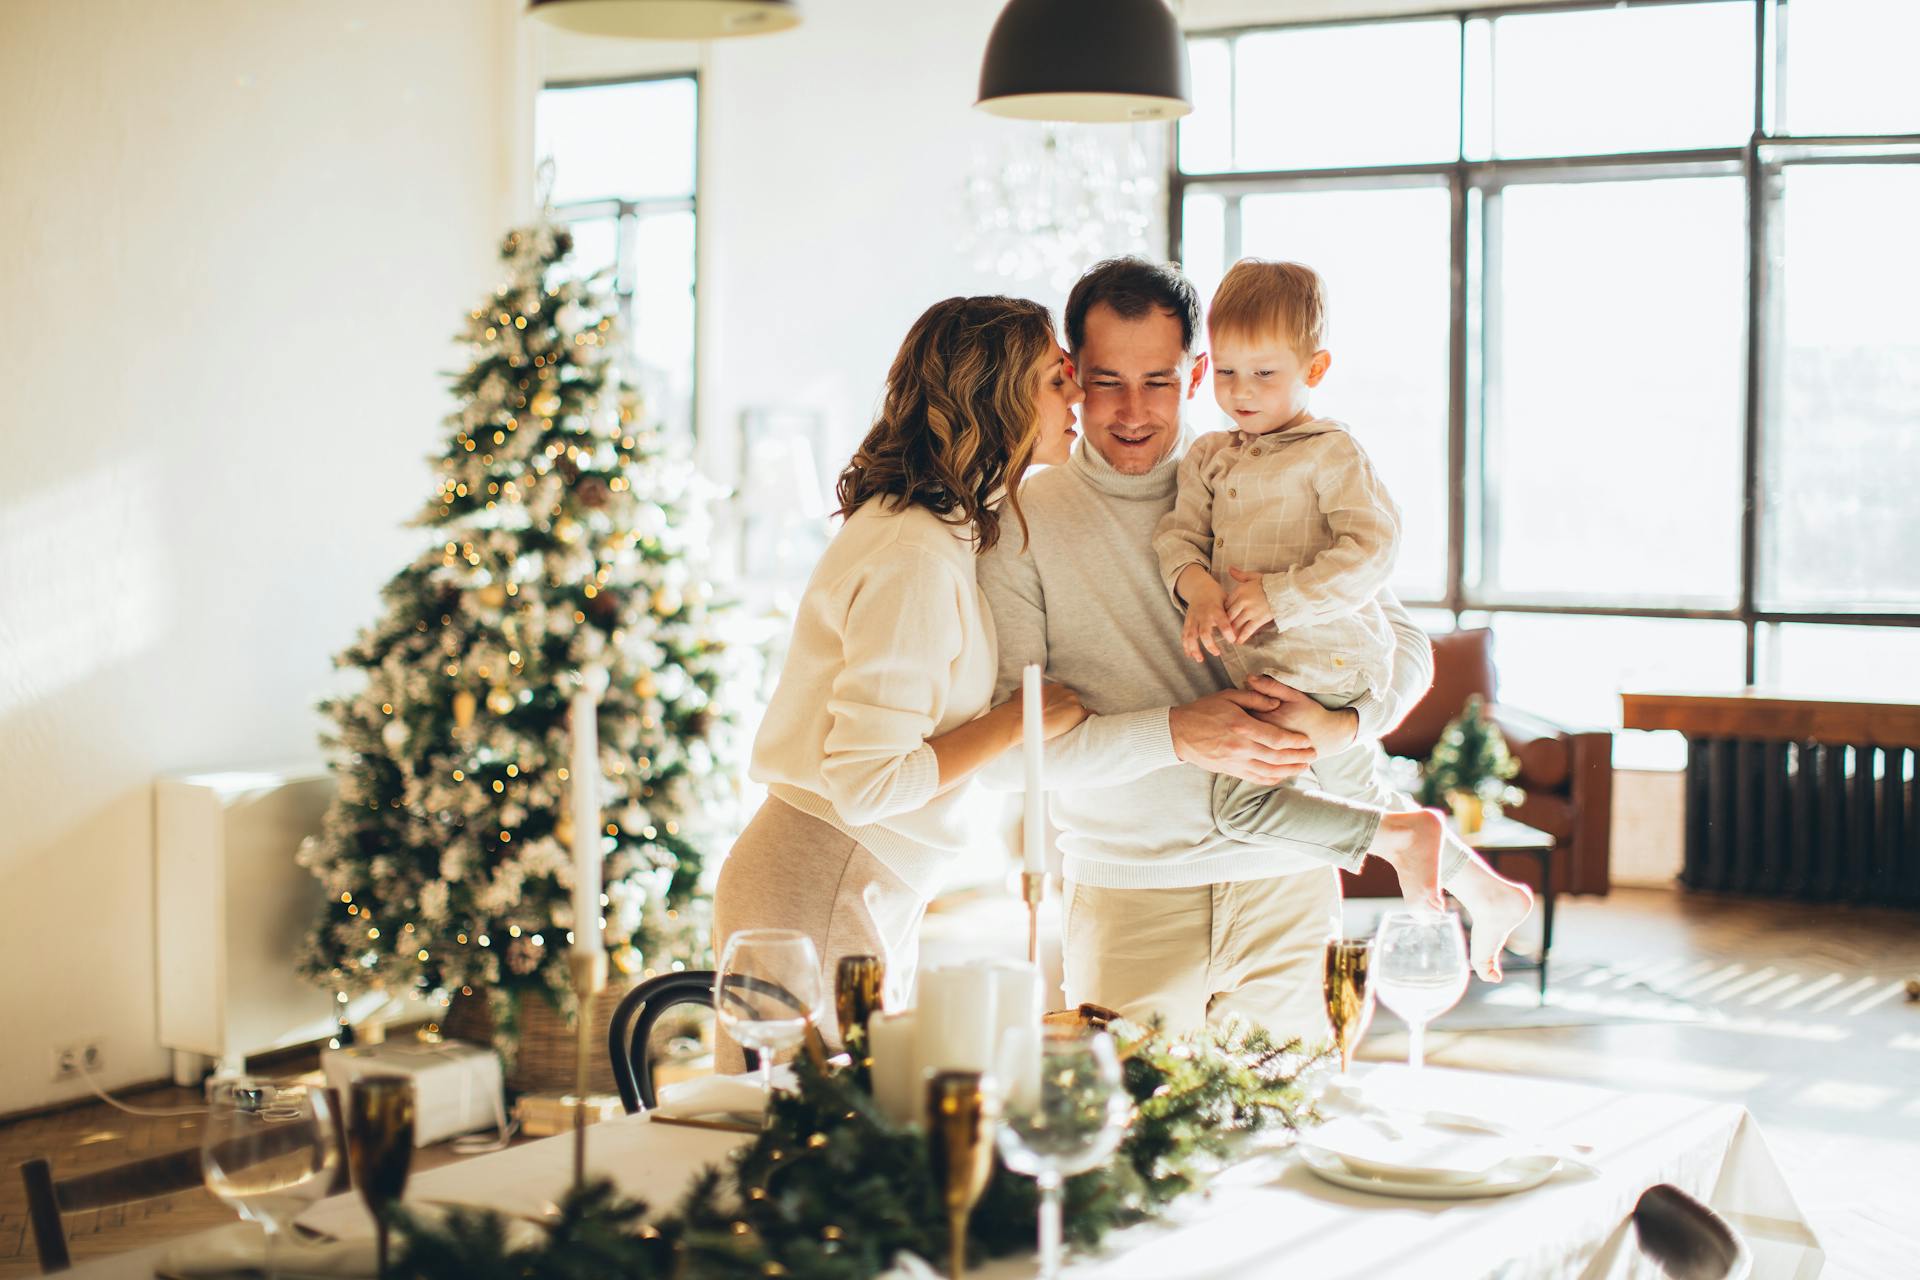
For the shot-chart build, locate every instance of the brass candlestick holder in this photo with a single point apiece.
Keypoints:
(1033, 889)
(589, 973)
(962, 1118)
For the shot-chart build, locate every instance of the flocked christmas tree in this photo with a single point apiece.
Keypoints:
(1470, 759)
(563, 528)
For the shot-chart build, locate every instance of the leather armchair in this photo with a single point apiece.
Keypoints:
(1566, 773)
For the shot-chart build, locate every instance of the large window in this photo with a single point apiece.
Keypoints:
(623, 157)
(1622, 304)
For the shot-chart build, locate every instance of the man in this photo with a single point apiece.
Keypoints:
(1162, 913)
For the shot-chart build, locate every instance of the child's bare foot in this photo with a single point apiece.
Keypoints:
(1410, 844)
(1497, 905)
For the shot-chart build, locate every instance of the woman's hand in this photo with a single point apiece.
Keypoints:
(1060, 710)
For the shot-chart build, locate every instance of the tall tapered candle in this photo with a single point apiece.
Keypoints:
(587, 849)
(1033, 844)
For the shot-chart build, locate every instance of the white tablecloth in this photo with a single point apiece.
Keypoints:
(1269, 1216)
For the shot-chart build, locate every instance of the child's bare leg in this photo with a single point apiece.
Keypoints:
(1411, 844)
(1497, 905)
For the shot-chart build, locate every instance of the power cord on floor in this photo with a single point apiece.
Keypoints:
(151, 1113)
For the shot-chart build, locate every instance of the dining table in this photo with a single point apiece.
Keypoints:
(1266, 1213)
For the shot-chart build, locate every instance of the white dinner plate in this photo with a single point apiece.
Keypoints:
(1521, 1174)
(1413, 1151)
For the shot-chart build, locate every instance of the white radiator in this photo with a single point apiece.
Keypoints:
(233, 908)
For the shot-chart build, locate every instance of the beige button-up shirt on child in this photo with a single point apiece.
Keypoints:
(1305, 510)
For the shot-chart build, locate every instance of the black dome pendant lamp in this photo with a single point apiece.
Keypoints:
(1088, 61)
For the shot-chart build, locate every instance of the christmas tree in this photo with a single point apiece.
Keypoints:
(563, 526)
(1471, 758)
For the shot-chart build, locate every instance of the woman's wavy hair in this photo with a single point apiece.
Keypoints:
(956, 428)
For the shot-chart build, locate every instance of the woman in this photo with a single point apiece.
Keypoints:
(881, 713)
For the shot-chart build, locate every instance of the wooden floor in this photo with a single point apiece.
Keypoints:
(1805, 1022)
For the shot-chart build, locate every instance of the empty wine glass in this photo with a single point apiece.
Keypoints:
(1419, 970)
(1068, 1121)
(766, 993)
(270, 1150)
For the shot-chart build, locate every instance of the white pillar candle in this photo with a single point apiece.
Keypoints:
(588, 852)
(1018, 1007)
(957, 1022)
(893, 1044)
(1033, 845)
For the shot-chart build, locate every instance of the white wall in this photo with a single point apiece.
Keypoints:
(235, 239)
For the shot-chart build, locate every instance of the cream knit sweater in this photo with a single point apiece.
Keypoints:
(892, 645)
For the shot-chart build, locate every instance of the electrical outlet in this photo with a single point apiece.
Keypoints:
(69, 1059)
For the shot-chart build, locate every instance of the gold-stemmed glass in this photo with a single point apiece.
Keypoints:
(856, 995)
(380, 1147)
(1349, 993)
(962, 1117)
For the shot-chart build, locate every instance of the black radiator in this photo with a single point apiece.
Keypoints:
(1812, 820)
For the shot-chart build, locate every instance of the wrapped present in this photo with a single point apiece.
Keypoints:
(541, 1115)
(457, 1087)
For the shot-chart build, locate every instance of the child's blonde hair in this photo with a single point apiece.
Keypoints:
(1261, 299)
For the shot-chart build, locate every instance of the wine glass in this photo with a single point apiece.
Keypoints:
(1349, 994)
(766, 993)
(269, 1151)
(1068, 1122)
(1419, 970)
(380, 1146)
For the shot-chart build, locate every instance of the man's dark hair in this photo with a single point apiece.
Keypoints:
(1133, 286)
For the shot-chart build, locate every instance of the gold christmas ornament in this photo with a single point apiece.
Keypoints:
(627, 960)
(546, 404)
(667, 602)
(563, 831)
(499, 701)
(645, 685)
(464, 705)
(493, 595)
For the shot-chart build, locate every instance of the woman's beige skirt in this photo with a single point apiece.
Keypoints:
(790, 870)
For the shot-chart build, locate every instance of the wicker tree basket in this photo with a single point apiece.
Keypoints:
(548, 1041)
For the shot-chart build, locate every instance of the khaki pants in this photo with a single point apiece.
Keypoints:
(790, 870)
(1255, 948)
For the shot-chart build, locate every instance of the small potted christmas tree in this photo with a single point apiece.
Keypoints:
(1469, 769)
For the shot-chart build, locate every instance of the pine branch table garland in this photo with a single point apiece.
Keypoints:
(834, 1191)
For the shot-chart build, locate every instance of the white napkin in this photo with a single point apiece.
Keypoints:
(908, 1266)
(243, 1247)
(725, 1097)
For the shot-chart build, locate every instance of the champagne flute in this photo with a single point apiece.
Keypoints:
(856, 994)
(766, 993)
(269, 1151)
(1071, 1121)
(962, 1114)
(1419, 970)
(380, 1147)
(1349, 994)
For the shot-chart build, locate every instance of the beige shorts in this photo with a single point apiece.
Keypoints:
(790, 870)
(1254, 947)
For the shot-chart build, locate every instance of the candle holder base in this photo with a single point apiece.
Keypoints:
(588, 970)
(1033, 890)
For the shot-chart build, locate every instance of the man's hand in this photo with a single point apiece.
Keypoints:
(1247, 605)
(1330, 732)
(1222, 734)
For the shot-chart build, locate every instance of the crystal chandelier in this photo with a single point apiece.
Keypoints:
(1059, 198)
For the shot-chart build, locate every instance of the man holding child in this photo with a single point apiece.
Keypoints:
(1167, 909)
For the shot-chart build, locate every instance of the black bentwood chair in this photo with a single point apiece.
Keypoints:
(643, 1007)
(1687, 1240)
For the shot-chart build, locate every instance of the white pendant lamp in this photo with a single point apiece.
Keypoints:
(668, 19)
(1087, 61)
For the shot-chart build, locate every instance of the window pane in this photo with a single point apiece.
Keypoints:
(1384, 256)
(595, 245)
(1876, 663)
(1841, 512)
(1615, 392)
(631, 140)
(1335, 97)
(1850, 66)
(1203, 243)
(1206, 136)
(1641, 79)
(663, 315)
(1574, 670)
